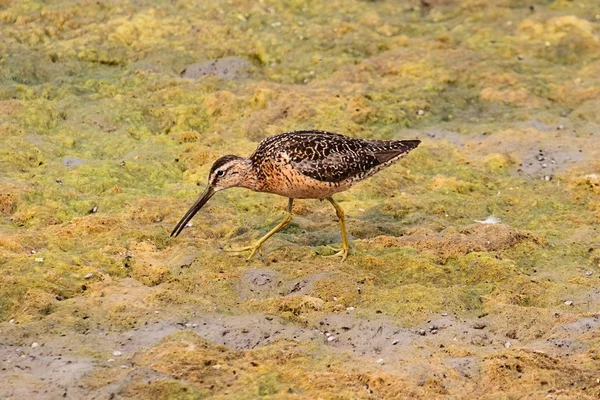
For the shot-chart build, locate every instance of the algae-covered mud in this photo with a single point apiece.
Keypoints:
(475, 269)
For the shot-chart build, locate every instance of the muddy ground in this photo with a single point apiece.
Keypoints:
(475, 264)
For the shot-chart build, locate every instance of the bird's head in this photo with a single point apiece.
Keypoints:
(228, 171)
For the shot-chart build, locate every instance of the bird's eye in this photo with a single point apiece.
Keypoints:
(220, 173)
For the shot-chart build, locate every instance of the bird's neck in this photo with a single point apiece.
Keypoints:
(250, 179)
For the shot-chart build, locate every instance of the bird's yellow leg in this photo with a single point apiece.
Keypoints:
(256, 247)
(345, 245)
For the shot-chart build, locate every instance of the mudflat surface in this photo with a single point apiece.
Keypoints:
(475, 264)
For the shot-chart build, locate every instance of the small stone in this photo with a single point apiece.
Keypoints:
(11, 321)
(420, 112)
(188, 225)
(331, 338)
(547, 178)
(395, 342)
(434, 331)
(479, 325)
(110, 360)
(521, 57)
(88, 276)
(568, 303)
(35, 344)
(380, 361)
(588, 273)
(560, 127)
(117, 353)
(544, 165)
(507, 345)
(188, 325)
(194, 325)
(444, 314)
(33, 251)
(349, 308)
(327, 334)
(334, 298)
(421, 332)
(124, 367)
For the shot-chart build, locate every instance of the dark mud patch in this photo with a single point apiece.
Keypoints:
(36, 371)
(260, 284)
(535, 151)
(99, 363)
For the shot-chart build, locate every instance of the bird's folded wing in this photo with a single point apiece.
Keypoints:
(339, 166)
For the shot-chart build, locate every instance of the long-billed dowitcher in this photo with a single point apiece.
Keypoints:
(301, 165)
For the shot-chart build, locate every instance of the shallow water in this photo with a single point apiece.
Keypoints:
(112, 113)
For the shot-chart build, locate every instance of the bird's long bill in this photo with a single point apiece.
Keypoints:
(208, 193)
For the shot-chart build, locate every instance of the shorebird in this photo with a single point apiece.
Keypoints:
(307, 164)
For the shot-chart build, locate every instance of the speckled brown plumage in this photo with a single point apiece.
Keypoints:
(302, 165)
(317, 164)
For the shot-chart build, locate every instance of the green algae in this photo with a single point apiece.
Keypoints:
(104, 146)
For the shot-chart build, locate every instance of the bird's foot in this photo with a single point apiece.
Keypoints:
(252, 249)
(343, 252)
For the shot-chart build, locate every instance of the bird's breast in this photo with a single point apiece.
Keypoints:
(283, 180)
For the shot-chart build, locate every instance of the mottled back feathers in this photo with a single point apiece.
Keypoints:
(330, 157)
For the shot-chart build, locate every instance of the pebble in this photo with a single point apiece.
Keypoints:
(35, 344)
(420, 112)
(588, 273)
(507, 345)
(88, 276)
(350, 308)
(11, 321)
(331, 338)
(421, 332)
(547, 177)
(117, 353)
(110, 360)
(395, 342)
(380, 361)
(444, 314)
(479, 325)
(568, 303)
(560, 127)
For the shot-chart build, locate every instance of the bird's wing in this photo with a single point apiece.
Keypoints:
(329, 157)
